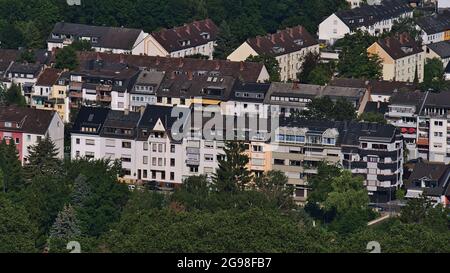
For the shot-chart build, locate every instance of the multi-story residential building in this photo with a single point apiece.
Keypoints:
(440, 50)
(402, 58)
(284, 98)
(102, 83)
(434, 28)
(431, 180)
(25, 126)
(357, 3)
(7, 58)
(153, 149)
(373, 151)
(102, 39)
(144, 90)
(288, 46)
(424, 122)
(246, 71)
(196, 38)
(375, 19)
(247, 99)
(25, 75)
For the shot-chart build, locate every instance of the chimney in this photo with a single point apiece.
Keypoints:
(98, 56)
(272, 38)
(217, 65)
(300, 30)
(188, 29)
(163, 35)
(122, 59)
(403, 38)
(190, 75)
(282, 36)
(142, 110)
(241, 67)
(207, 24)
(180, 63)
(291, 32)
(295, 85)
(172, 75)
(388, 42)
(258, 41)
(157, 60)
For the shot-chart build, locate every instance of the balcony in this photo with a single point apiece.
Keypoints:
(104, 98)
(104, 88)
(75, 94)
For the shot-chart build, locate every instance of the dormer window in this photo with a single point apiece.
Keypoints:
(299, 42)
(8, 124)
(205, 35)
(278, 49)
(94, 40)
(407, 49)
(184, 42)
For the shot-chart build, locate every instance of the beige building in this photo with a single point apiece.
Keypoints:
(288, 46)
(402, 57)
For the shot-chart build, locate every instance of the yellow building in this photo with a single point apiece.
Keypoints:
(402, 58)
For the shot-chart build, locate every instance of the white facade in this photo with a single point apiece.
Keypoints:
(332, 29)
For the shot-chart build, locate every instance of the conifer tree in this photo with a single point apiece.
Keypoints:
(43, 158)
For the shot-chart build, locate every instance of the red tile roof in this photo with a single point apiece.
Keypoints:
(48, 77)
(32, 121)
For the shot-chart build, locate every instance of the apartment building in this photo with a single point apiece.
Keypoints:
(439, 50)
(26, 126)
(144, 90)
(247, 99)
(285, 98)
(431, 180)
(25, 76)
(402, 57)
(102, 83)
(423, 121)
(158, 146)
(434, 28)
(196, 38)
(373, 151)
(246, 71)
(288, 46)
(103, 39)
(375, 19)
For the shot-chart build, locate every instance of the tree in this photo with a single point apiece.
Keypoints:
(225, 42)
(14, 96)
(232, 175)
(321, 74)
(348, 192)
(433, 77)
(309, 63)
(11, 167)
(43, 158)
(274, 185)
(65, 228)
(404, 25)
(322, 108)
(66, 58)
(81, 45)
(27, 56)
(423, 211)
(354, 60)
(271, 65)
(17, 231)
(372, 117)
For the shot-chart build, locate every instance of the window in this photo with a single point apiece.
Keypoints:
(77, 141)
(145, 160)
(278, 162)
(145, 146)
(90, 142)
(172, 148)
(160, 148)
(154, 161)
(125, 158)
(209, 144)
(172, 176)
(89, 155)
(257, 148)
(172, 162)
(296, 163)
(160, 161)
(29, 138)
(145, 174)
(126, 144)
(110, 143)
(153, 174)
(154, 147)
(17, 141)
(193, 169)
(209, 158)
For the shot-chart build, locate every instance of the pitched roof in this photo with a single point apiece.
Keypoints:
(254, 92)
(92, 117)
(32, 121)
(283, 42)
(408, 98)
(6, 57)
(441, 48)
(435, 171)
(26, 68)
(399, 47)
(246, 71)
(48, 77)
(378, 87)
(125, 120)
(107, 37)
(435, 23)
(348, 82)
(187, 36)
(367, 15)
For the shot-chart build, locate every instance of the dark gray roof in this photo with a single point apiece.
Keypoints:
(251, 92)
(149, 78)
(30, 120)
(435, 23)
(26, 68)
(108, 37)
(92, 117)
(441, 48)
(388, 88)
(367, 15)
(408, 98)
(432, 171)
(118, 121)
(376, 107)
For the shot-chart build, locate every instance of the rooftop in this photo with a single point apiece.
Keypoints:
(48, 77)
(400, 46)
(187, 36)
(30, 120)
(441, 48)
(435, 23)
(283, 42)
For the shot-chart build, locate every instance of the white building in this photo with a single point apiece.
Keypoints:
(375, 19)
(434, 28)
(103, 39)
